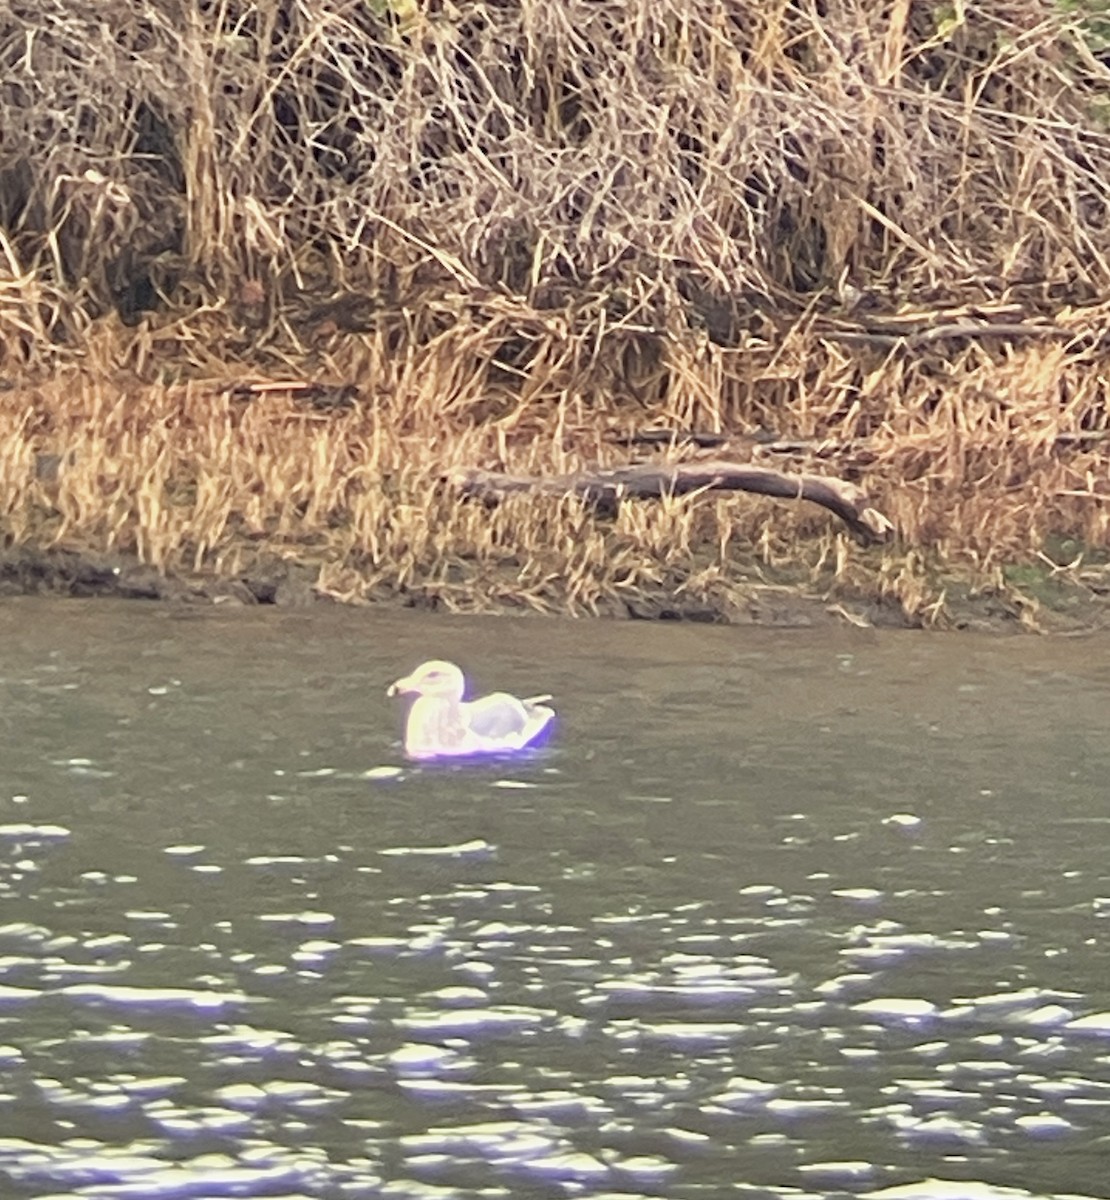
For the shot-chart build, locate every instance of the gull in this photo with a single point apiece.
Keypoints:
(441, 724)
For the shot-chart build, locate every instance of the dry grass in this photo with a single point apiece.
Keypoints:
(517, 226)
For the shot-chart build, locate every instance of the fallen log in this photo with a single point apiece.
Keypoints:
(765, 442)
(645, 481)
(916, 338)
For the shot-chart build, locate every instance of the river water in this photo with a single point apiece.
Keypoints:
(775, 914)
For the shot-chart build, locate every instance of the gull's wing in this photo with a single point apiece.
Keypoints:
(496, 718)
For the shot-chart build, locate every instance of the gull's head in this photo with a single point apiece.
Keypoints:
(435, 678)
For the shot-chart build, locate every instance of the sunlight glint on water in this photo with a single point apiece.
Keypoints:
(798, 914)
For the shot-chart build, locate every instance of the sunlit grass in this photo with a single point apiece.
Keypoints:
(516, 231)
(192, 480)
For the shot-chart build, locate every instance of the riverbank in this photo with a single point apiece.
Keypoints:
(209, 491)
(1039, 602)
(289, 280)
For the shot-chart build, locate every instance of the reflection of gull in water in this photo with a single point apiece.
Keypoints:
(441, 724)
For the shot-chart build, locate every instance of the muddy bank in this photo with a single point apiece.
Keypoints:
(27, 570)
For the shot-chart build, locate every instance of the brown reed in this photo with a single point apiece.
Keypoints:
(517, 227)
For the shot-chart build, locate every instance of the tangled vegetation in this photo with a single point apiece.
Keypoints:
(506, 231)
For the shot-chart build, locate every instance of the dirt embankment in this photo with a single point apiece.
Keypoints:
(871, 247)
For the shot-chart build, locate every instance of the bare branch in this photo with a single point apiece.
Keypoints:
(647, 482)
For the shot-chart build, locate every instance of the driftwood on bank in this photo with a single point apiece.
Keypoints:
(767, 442)
(646, 481)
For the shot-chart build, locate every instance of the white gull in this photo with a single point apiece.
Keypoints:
(441, 724)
